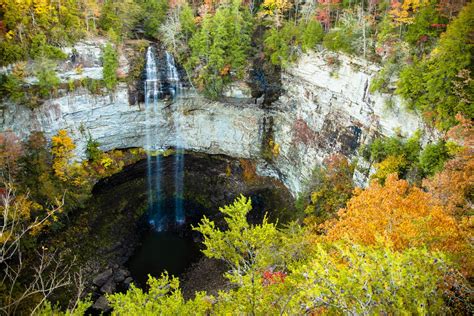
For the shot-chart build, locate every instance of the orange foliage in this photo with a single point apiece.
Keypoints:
(454, 186)
(398, 215)
(249, 172)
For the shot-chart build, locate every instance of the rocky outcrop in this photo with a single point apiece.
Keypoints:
(325, 107)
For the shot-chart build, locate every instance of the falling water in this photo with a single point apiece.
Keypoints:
(172, 78)
(152, 94)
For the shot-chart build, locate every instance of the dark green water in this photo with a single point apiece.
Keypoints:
(162, 251)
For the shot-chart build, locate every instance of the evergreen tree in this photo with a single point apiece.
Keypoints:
(440, 85)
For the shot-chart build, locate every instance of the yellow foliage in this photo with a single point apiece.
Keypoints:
(62, 150)
(404, 12)
(391, 164)
(275, 148)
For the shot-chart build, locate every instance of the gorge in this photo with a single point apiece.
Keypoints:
(231, 157)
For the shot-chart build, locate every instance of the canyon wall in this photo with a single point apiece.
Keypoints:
(325, 107)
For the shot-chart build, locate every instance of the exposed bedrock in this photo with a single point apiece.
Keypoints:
(325, 107)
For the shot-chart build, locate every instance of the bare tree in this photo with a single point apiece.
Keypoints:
(24, 282)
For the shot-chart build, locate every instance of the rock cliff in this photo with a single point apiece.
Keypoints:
(325, 107)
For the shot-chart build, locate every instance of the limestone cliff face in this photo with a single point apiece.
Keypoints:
(323, 109)
(326, 107)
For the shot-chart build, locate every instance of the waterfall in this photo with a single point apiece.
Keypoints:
(172, 77)
(159, 86)
(152, 95)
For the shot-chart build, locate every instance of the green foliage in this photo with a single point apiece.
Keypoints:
(353, 279)
(381, 148)
(163, 298)
(48, 81)
(283, 45)
(10, 52)
(395, 155)
(38, 28)
(93, 151)
(433, 157)
(404, 157)
(332, 187)
(280, 272)
(339, 39)
(47, 309)
(312, 34)
(435, 84)
(154, 13)
(220, 48)
(242, 245)
(186, 20)
(120, 17)
(110, 64)
(40, 49)
(421, 32)
(11, 86)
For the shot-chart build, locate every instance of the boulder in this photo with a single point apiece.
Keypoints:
(109, 287)
(102, 278)
(101, 304)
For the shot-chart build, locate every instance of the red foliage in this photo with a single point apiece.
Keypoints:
(270, 277)
(323, 12)
(10, 150)
(302, 133)
(3, 28)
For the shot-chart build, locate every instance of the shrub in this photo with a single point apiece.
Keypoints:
(48, 81)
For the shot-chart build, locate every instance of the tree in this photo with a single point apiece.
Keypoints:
(62, 148)
(11, 150)
(110, 65)
(220, 48)
(332, 189)
(321, 277)
(433, 84)
(153, 15)
(400, 216)
(351, 279)
(163, 298)
(275, 9)
(48, 81)
(120, 17)
(453, 186)
(242, 246)
(403, 12)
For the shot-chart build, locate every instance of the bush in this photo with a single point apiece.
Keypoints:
(11, 87)
(48, 81)
(433, 157)
(339, 39)
(10, 52)
(312, 34)
(40, 49)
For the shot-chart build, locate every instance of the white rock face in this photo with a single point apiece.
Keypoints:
(327, 108)
(323, 110)
(205, 126)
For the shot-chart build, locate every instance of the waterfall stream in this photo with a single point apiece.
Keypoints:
(152, 95)
(155, 89)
